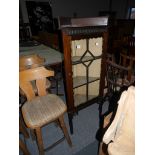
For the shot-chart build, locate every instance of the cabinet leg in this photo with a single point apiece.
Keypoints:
(70, 117)
(33, 135)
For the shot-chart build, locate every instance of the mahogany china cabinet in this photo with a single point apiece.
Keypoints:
(84, 43)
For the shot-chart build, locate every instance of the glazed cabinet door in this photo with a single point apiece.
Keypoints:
(86, 57)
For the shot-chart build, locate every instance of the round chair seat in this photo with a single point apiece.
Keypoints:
(42, 110)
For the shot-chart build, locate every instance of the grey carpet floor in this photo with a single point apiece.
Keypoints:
(91, 149)
(86, 124)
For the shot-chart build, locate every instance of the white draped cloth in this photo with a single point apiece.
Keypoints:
(120, 136)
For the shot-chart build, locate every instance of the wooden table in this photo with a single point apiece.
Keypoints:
(51, 56)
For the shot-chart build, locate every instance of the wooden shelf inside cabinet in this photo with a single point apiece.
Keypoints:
(84, 46)
(79, 59)
(82, 80)
(82, 99)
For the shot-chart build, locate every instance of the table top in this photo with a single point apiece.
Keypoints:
(51, 56)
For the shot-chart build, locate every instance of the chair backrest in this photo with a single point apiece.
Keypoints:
(129, 41)
(117, 76)
(30, 61)
(127, 60)
(110, 57)
(115, 71)
(38, 75)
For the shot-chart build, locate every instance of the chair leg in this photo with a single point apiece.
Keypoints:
(40, 141)
(23, 147)
(64, 129)
(33, 135)
(22, 128)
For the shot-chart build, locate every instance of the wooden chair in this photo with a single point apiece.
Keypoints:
(129, 62)
(32, 61)
(121, 73)
(43, 108)
(118, 79)
(128, 43)
(118, 76)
